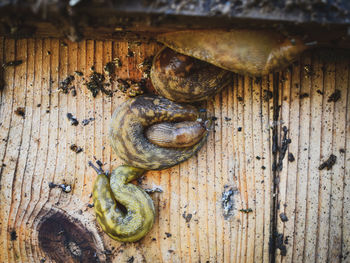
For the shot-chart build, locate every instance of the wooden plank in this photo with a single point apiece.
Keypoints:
(237, 156)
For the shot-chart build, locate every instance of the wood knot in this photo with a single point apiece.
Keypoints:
(66, 239)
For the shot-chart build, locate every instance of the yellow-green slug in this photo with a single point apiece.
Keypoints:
(185, 79)
(125, 226)
(130, 121)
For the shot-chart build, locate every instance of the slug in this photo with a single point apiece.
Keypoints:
(138, 219)
(181, 134)
(128, 125)
(247, 52)
(185, 79)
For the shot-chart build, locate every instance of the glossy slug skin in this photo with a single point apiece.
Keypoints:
(185, 79)
(247, 52)
(182, 134)
(139, 218)
(128, 125)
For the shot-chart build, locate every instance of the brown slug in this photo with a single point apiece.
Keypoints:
(185, 79)
(125, 226)
(247, 52)
(131, 119)
(181, 134)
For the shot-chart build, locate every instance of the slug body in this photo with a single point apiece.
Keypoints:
(185, 79)
(182, 134)
(248, 52)
(139, 217)
(128, 125)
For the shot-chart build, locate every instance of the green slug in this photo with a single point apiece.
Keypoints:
(130, 121)
(185, 79)
(138, 219)
(247, 52)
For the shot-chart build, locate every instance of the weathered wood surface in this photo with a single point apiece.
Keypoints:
(35, 151)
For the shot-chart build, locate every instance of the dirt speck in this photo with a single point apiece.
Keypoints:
(13, 235)
(328, 163)
(283, 217)
(335, 96)
(20, 111)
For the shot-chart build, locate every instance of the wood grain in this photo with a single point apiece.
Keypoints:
(190, 224)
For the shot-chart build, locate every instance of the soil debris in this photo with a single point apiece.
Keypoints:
(291, 157)
(13, 235)
(97, 84)
(76, 148)
(283, 217)
(168, 234)
(130, 259)
(87, 121)
(248, 210)
(64, 85)
(187, 217)
(146, 66)
(72, 119)
(328, 163)
(109, 68)
(335, 96)
(132, 88)
(267, 95)
(20, 111)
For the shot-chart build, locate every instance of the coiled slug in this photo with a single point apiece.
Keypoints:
(128, 125)
(247, 52)
(138, 219)
(181, 134)
(185, 79)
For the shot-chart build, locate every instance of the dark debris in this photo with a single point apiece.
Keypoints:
(291, 157)
(72, 119)
(283, 217)
(87, 121)
(97, 84)
(328, 163)
(187, 217)
(76, 148)
(335, 96)
(20, 111)
(64, 85)
(13, 235)
(132, 88)
(248, 210)
(267, 95)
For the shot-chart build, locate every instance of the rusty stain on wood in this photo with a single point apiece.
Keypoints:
(35, 151)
